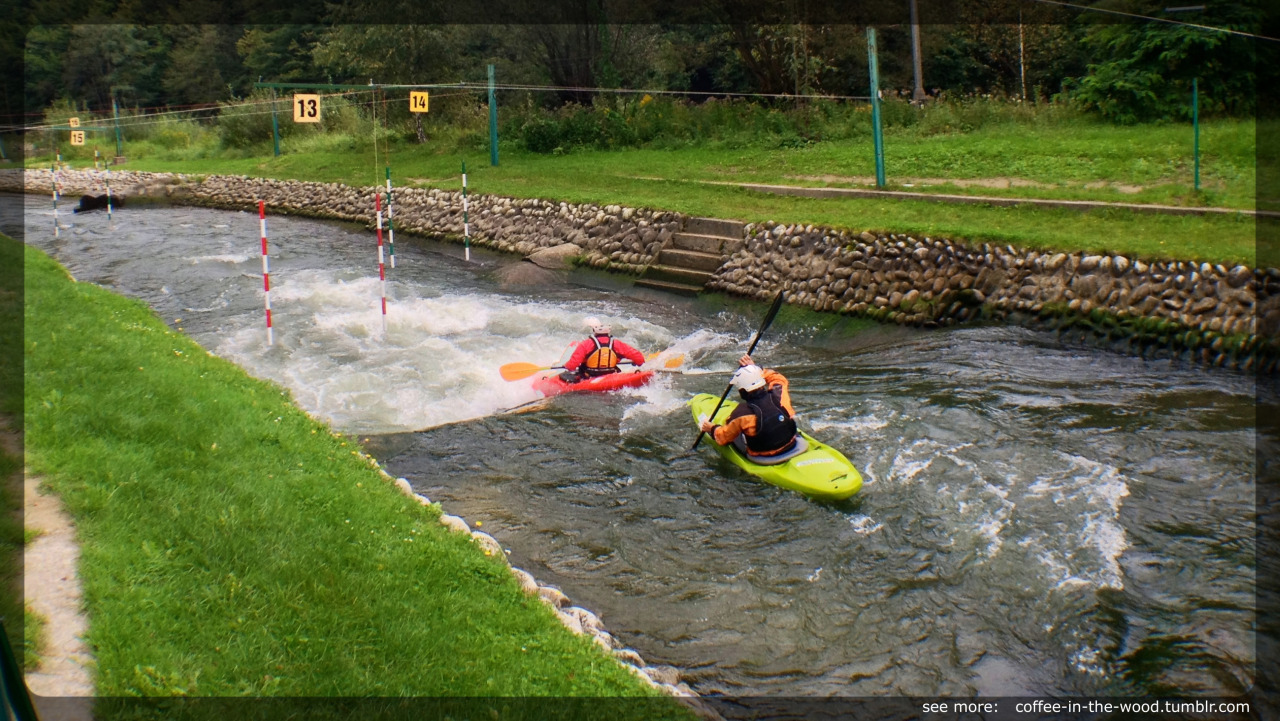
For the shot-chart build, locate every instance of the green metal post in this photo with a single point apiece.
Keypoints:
(876, 131)
(275, 124)
(115, 113)
(1195, 124)
(493, 122)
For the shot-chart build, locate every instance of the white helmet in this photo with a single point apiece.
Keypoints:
(596, 326)
(749, 378)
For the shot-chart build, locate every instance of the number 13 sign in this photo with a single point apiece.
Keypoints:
(306, 108)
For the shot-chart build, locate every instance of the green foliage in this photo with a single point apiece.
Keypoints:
(1143, 72)
(245, 124)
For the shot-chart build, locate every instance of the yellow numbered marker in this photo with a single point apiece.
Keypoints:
(417, 101)
(77, 137)
(306, 108)
(74, 122)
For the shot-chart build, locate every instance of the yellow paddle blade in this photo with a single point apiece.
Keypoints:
(520, 371)
(674, 361)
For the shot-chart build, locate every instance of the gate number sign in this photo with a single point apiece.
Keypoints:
(77, 137)
(73, 122)
(306, 108)
(418, 102)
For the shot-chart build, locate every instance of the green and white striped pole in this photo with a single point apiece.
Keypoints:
(466, 227)
(391, 226)
(56, 226)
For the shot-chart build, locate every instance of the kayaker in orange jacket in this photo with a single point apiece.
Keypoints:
(599, 355)
(764, 423)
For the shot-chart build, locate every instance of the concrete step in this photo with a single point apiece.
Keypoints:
(690, 259)
(714, 226)
(669, 287)
(673, 274)
(699, 243)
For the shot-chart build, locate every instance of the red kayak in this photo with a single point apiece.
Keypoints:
(552, 385)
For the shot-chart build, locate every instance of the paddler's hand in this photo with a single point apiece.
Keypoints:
(707, 427)
(745, 360)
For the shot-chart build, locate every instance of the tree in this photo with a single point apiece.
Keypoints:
(1143, 71)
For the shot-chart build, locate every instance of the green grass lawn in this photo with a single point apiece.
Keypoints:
(233, 546)
(1079, 159)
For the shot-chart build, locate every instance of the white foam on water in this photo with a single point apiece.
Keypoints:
(438, 360)
(1093, 493)
(864, 525)
(852, 426)
(225, 258)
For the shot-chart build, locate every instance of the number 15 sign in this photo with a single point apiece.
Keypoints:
(306, 108)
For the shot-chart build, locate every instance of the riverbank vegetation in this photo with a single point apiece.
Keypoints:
(976, 147)
(1012, 100)
(233, 546)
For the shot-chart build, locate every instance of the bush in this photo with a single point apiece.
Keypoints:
(540, 135)
(244, 124)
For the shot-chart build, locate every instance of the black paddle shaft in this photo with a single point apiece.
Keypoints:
(768, 318)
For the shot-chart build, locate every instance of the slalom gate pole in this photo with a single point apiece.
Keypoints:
(95, 159)
(56, 225)
(382, 271)
(266, 270)
(466, 227)
(107, 183)
(391, 224)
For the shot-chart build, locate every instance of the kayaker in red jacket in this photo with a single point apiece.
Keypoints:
(764, 419)
(599, 355)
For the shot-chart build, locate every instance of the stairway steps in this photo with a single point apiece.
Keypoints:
(677, 274)
(714, 226)
(669, 287)
(692, 259)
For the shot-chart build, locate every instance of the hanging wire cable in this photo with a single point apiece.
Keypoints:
(1160, 20)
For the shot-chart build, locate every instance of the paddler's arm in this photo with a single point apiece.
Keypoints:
(626, 351)
(724, 434)
(579, 355)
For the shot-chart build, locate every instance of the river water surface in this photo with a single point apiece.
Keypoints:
(1038, 518)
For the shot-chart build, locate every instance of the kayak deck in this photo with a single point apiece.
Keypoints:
(553, 386)
(821, 472)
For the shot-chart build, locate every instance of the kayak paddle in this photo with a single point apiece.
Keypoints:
(520, 371)
(768, 318)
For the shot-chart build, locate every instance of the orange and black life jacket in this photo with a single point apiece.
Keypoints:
(601, 361)
(775, 428)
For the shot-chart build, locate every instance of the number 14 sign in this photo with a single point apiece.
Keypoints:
(417, 102)
(306, 108)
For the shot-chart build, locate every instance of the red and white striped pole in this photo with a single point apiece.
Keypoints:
(266, 270)
(382, 269)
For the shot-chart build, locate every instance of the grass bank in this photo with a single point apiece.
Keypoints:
(22, 627)
(984, 149)
(233, 546)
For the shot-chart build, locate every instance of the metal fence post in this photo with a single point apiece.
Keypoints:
(1195, 124)
(876, 132)
(493, 122)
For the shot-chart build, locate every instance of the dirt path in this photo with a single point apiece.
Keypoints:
(62, 685)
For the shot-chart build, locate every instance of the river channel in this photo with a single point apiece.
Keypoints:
(1039, 517)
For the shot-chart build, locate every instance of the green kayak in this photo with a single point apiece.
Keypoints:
(820, 472)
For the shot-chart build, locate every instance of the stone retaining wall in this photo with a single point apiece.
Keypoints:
(1221, 316)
